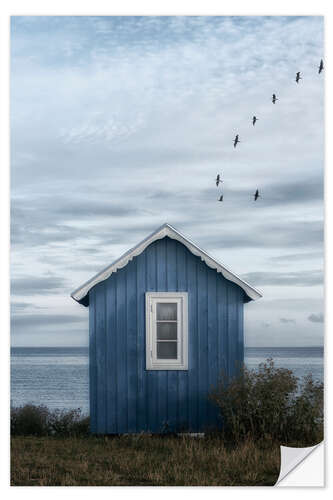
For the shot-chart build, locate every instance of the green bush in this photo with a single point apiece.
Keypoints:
(40, 421)
(269, 403)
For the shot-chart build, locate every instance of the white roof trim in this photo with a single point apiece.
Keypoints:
(165, 230)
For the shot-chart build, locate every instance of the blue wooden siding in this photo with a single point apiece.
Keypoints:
(124, 396)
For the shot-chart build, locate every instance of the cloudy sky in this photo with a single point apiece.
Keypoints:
(119, 124)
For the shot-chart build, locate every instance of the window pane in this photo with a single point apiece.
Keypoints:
(166, 350)
(166, 331)
(166, 311)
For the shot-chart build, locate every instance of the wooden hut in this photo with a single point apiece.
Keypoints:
(165, 319)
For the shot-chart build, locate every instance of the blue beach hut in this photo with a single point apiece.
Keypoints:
(165, 319)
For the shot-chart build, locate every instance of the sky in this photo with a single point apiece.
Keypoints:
(120, 124)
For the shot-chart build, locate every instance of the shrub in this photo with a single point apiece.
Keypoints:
(68, 423)
(268, 403)
(40, 421)
(30, 420)
(308, 411)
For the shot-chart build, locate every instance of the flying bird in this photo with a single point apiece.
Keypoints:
(274, 99)
(218, 179)
(298, 76)
(321, 66)
(236, 141)
(221, 198)
(254, 119)
(256, 195)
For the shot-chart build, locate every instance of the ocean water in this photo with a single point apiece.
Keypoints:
(58, 376)
(54, 376)
(301, 360)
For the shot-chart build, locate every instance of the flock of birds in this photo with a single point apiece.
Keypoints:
(256, 195)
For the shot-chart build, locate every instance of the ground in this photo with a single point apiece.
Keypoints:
(142, 460)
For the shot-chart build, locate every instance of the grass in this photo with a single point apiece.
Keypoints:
(141, 460)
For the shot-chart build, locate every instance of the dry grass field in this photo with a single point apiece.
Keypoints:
(141, 460)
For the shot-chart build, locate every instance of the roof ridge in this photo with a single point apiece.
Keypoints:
(161, 232)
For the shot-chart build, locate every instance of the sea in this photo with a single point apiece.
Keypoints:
(57, 377)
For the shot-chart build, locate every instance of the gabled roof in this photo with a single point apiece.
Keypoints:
(81, 293)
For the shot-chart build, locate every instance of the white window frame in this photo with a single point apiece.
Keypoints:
(152, 363)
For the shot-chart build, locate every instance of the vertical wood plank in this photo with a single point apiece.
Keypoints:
(193, 347)
(162, 375)
(152, 378)
(131, 310)
(223, 327)
(212, 330)
(111, 358)
(240, 327)
(101, 356)
(122, 423)
(232, 330)
(203, 344)
(92, 363)
(183, 421)
(142, 412)
(171, 273)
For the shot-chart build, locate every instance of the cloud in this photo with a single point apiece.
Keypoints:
(30, 285)
(50, 219)
(275, 193)
(18, 307)
(316, 318)
(300, 278)
(297, 257)
(43, 320)
(287, 320)
(130, 119)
